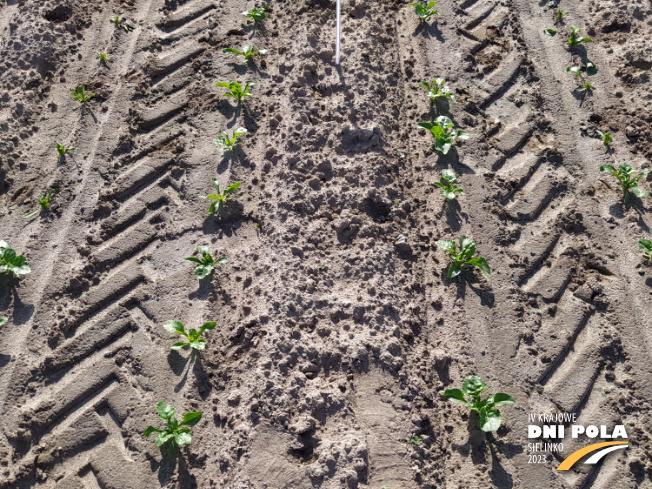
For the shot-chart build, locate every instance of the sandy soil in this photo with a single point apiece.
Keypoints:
(319, 376)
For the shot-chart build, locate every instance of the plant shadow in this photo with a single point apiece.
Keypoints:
(171, 464)
(429, 30)
(454, 214)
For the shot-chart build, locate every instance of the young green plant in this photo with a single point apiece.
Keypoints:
(437, 90)
(587, 86)
(463, 258)
(236, 90)
(424, 9)
(206, 264)
(43, 204)
(174, 432)
(256, 14)
(416, 441)
(448, 186)
(444, 138)
(559, 16)
(103, 57)
(628, 179)
(80, 95)
(489, 417)
(574, 39)
(219, 199)
(606, 138)
(12, 263)
(3, 320)
(646, 246)
(228, 143)
(62, 150)
(248, 51)
(193, 337)
(118, 23)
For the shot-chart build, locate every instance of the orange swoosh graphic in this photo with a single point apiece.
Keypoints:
(575, 456)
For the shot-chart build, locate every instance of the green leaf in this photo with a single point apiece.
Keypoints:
(150, 429)
(550, 32)
(194, 259)
(503, 399)
(224, 259)
(455, 395)
(644, 244)
(30, 214)
(608, 168)
(448, 175)
(482, 263)
(425, 125)
(207, 326)
(232, 188)
(179, 344)
(213, 207)
(473, 386)
(203, 249)
(591, 69)
(453, 270)
(199, 344)
(490, 419)
(641, 194)
(3, 320)
(161, 439)
(444, 121)
(174, 326)
(165, 411)
(191, 419)
(183, 437)
(231, 50)
(446, 245)
(203, 271)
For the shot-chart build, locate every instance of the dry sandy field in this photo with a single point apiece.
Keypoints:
(337, 330)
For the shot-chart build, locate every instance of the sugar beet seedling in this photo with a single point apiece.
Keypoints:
(44, 204)
(62, 150)
(176, 433)
(248, 51)
(12, 263)
(206, 264)
(119, 23)
(448, 186)
(587, 86)
(444, 139)
(256, 14)
(3, 320)
(193, 336)
(220, 198)
(236, 90)
(606, 139)
(628, 179)
(228, 143)
(437, 90)
(80, 95)
(574, 38)
(424, 9)
(473, 386)
(646, 246)
(463, 258)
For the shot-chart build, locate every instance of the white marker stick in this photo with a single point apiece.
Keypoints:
(337, 35)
